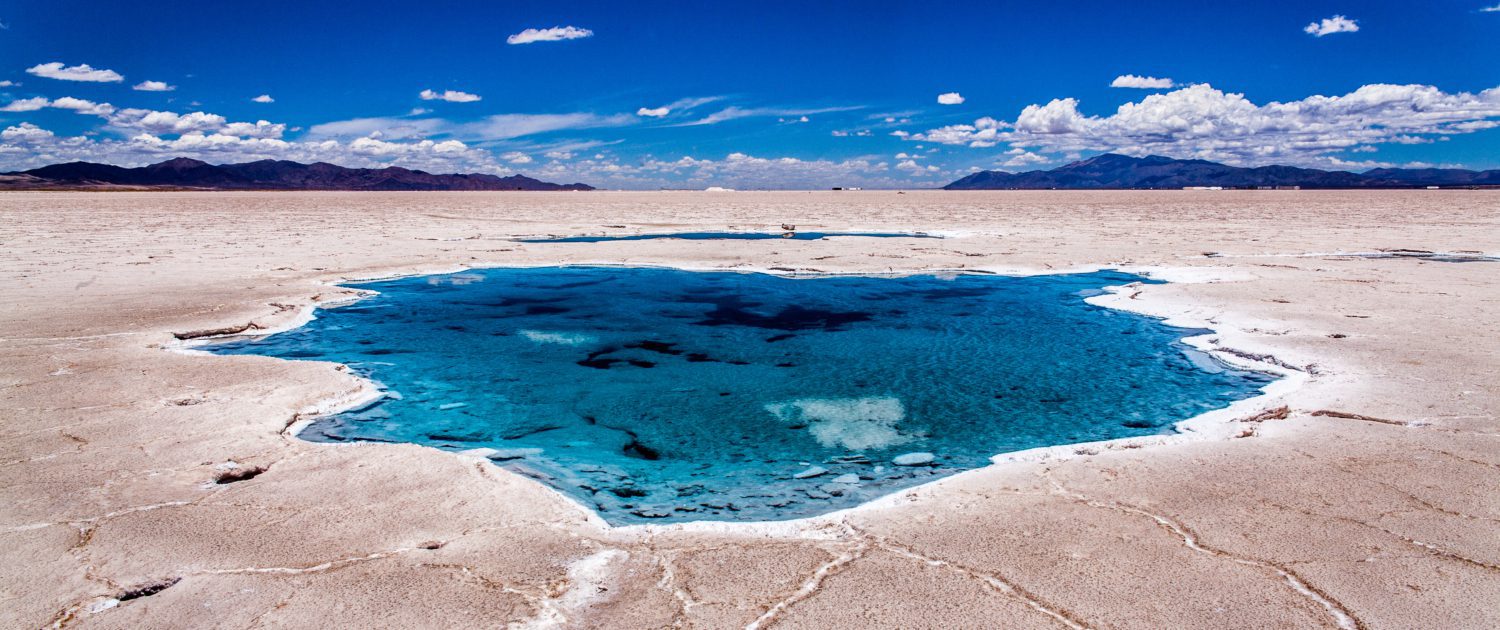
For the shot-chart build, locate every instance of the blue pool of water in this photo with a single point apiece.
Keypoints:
(656, 395)
(730, 236)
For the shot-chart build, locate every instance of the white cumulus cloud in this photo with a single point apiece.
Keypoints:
(84, 107)
(1200, 121)
(554, 34)
(25, 133)
(1018, 158)
(653, 112)
(950, 98)
(257, 129)
(452, 96)
(1145, 83)
(1331, 25)
(516, 157)
(26, 105)
(26, 146)
(264, 98)
(153, 86)
(80, 72)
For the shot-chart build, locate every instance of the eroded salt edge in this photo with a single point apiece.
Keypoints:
(1219, 424)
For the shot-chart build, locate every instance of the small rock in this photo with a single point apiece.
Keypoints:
(847, 478)
(815, 471)
(914, 459)
(835, 489)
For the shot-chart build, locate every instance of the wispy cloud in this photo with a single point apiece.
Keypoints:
(1145, 83)
(505, 126)
(80, 72)
(153, 86)
(497, 127)
(734, 113)
(554, 34)
(381, 127)
(1331, 25)
(452, 96)
(680, 105)
(1493, 9)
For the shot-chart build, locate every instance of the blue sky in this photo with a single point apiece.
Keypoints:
(767, 94)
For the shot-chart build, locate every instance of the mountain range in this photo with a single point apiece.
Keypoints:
(1112, 170)
(184, 173)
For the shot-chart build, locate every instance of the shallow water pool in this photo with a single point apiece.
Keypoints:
(657, 395)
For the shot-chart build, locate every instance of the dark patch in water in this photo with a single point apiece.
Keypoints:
(542, 309)
(641, 451)
(627, 492)
(789, 318)
(659, 347)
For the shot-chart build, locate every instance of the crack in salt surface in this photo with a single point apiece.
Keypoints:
(668, 581)
(1426, 547)
(995, 582)
(810, 586)
(584, 576)
(1341, 616)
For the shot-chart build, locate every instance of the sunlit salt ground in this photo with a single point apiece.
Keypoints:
(726, 236)
(655, 395)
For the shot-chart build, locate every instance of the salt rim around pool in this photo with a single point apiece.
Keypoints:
(790, 235)
(1188, 428)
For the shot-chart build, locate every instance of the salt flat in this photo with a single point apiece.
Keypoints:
(1372, 500)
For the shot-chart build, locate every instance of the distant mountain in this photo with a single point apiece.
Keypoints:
(1120, 171)
(263, 175)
